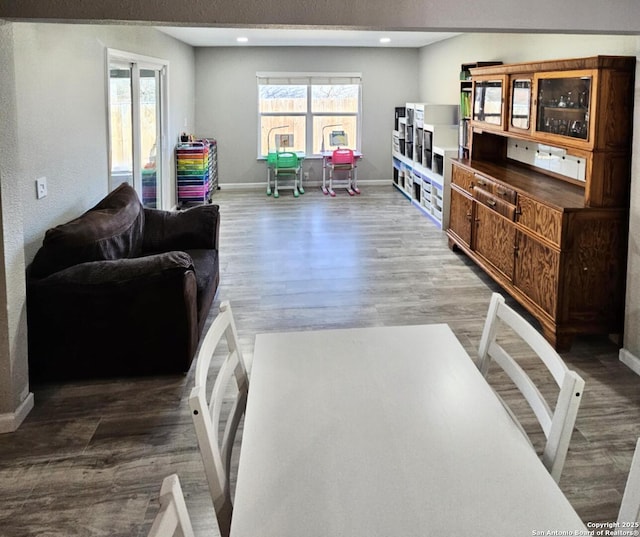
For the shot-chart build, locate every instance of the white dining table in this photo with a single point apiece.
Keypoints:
(384, 432)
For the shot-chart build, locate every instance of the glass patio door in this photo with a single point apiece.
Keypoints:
(135, 122)
(150, 172)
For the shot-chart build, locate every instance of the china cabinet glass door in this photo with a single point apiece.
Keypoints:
(520, 118)
(564, 105)
(487, 101)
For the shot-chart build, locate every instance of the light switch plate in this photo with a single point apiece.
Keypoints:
(41, 187)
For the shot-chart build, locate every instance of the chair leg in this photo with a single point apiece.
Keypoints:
(295, 185)
(325, 164)
(268, 181)
(331, 191)
(349, 188)
(355, 180)
(276, 194)
(300, 188)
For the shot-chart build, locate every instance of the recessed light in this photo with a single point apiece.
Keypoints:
(385, 40)
(242, 39)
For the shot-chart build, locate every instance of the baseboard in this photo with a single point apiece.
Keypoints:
(372, 182)
(630, 360)
(307, 184)
(10, 421)
(242, 186)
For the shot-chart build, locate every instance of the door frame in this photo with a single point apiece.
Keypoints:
(163, 152)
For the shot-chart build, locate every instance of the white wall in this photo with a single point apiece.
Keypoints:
(630, 354)
(62, 117)
(15, 399)
(226, 101)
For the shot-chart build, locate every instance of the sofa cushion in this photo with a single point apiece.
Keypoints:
(196, 227)
(113, 229)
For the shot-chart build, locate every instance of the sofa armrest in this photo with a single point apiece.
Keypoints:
(106, 318)
(119, 272)
(194, 228)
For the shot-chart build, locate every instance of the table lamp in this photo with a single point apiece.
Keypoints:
(326, 127)
(269, 136)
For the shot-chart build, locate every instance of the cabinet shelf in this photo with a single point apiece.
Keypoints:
(466, 93)
(564, 109)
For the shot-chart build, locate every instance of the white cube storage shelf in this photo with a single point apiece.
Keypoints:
(422, 145)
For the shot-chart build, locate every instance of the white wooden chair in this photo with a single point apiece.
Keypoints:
(630, 507)
(558, 423)
(173, 518)
(206, 410)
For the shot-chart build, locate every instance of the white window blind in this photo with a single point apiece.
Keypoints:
(305, 79)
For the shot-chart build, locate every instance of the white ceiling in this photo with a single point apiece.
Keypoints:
(265, 37)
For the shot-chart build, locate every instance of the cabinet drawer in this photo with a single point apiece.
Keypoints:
(498, 205)
(497, 189)
(463, 178)
(507, 194)
(541, 219)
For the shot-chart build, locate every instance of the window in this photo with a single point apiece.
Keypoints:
(310, 107)
(136, 156)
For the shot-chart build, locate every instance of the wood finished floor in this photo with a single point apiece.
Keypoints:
(90, 457)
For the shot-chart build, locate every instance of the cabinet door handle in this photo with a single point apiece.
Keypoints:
(491, 203)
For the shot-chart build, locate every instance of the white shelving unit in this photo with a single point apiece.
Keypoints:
(425, 139)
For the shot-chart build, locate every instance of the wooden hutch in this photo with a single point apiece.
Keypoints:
(542, 202)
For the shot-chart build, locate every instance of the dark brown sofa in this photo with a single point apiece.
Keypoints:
(121, 290)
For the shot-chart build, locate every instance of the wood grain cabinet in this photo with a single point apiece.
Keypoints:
(495, 240)
(555, 239)
(460, 217)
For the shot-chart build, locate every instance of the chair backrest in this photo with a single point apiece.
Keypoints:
(630, 507)
(173, 518)
(557, 424)
(342, 156)
(286, 159)
(206, 410)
